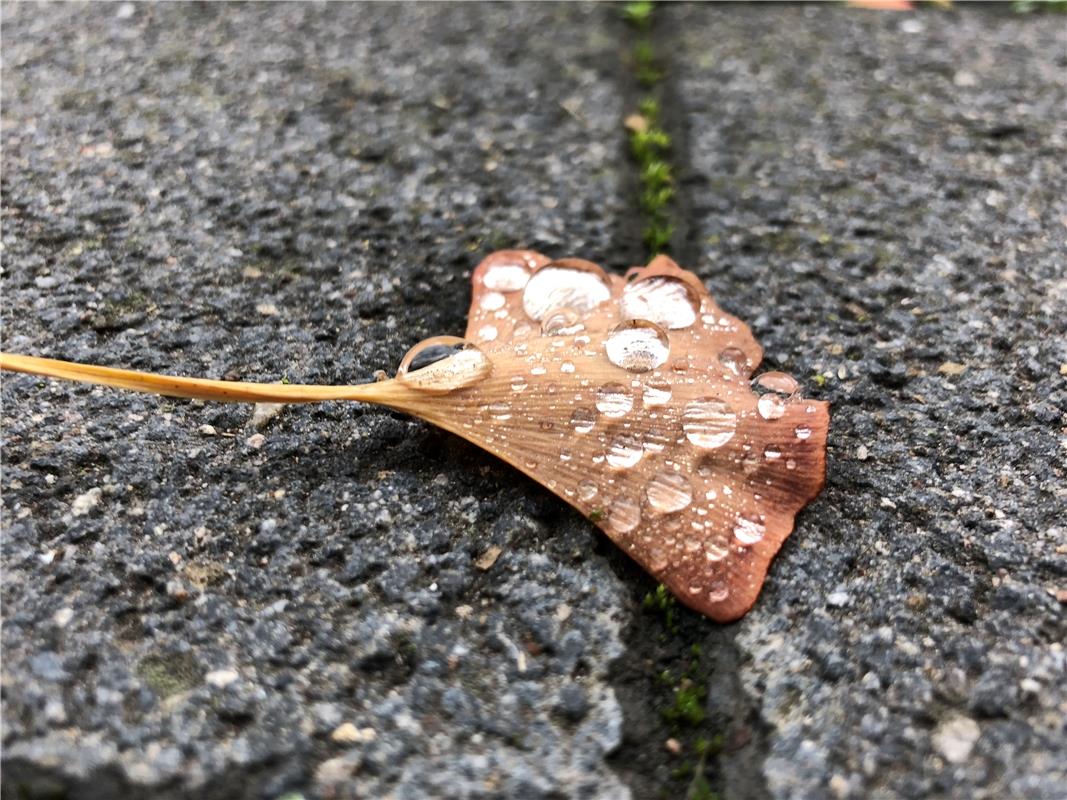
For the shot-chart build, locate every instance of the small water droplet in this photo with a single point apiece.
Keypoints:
(790, 463)
(624, 451)
(663, 300)
(553, 288)
(669, 491)
(565, 455)
(566, 367)
(708, 422)
(656, 441)
(637, 345)
(735, 360)
(614, 400)
(538, 371)
(772, 452)
(562, 322)
(491, 301)
(657, 393)
(624, 515)
(522, 330)
(500, 411)
(506, 277)
(719, 591)
(715, 550)
(587, 490)
(802, 432)
(488, 333)
(518, 384)
(749, 529)
(443, 364)
(583, 420)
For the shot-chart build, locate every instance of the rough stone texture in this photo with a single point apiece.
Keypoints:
(298, 191)
(198, 607)
(885, 197)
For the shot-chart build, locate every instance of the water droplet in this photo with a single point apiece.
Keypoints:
(538, 371)
(553, 288)
(500, 411)
(443, 364)
(562, 322)
(657, 393)
(522, 330)
(491, 301)
(777, 382)
(518, 384)
(715, 550)
(749, 529)
(565, 455)
(567, 367)
(719, 591)
(637, 345)
(506, 277)
(708, 422)
(802, 432)
(583, 420)
(624, 515)
(586, 490)
(614, 400)
(790, 463)
(771, 406)
(735, 360)
(772, 452)
(665, 301)
(669, 491)
(624, 451)
(656, 441)
(487, 333)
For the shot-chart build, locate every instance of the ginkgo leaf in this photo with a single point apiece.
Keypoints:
(628, 397)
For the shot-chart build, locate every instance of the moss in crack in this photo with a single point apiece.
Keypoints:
(650, 144)
(663, 601)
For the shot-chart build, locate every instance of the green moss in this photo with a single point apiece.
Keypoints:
(638, 14)
(688, 706)
(596, 515)
(167, 675)
(663, 601)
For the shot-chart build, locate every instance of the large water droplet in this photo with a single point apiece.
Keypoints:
(562, 322)
(749, 529)
(493, 301)
(624, 451)
(552, 288)
(708, 422)
(583, 420)
(624, 515)
(518, 384)
(587, 490)
(665, 301)
(637, 345)
(443, 364)
(775, 390)
(614, 400)
(506, 277)
(669, 491)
